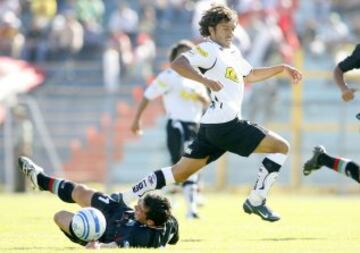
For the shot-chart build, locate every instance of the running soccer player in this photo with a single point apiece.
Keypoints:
(219, 66)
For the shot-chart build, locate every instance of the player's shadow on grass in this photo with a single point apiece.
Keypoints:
(291, 239)
(42, 248)
(191, 240)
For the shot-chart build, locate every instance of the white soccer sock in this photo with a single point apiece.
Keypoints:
(266, 179)
(156, 180)
(168, 175)
(278, 158)
(190, 195)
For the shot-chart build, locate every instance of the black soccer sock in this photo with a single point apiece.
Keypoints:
(62, 188)
(160, 179)
(341, 165)
(270, 165)
(43, 181)
(326, 160)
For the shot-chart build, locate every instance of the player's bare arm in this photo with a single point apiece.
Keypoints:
(98, 245)
(347, 93)
(260, 74)
(136, 124)
(182, 66)
(204, 100)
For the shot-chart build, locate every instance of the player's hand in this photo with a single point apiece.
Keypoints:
(348, 94)
(294, 74)
(136, 127)
(92, 245)
(213, 85)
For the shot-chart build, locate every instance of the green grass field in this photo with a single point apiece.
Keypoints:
(318, 223)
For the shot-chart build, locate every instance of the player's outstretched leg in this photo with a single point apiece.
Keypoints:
(60, 187)
(313, 163)
(166, 176)
(338, 164)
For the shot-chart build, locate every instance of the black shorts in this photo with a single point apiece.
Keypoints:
(113, 212)
(237, 136)
(179, 135)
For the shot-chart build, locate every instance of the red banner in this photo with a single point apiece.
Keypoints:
(17, 76)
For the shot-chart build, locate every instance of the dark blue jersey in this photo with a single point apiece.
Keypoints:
(131, 233)
(123, 229)
(352, 61)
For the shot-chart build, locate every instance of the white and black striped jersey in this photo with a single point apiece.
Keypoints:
(227, 66)
(179, 95)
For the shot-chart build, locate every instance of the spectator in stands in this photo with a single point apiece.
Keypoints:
(87, 10)
(286, 12)
(66, 36)
(11, 38)
(66, 5)
(122, 26)
(45, 10)
(124, 20)
(36, 44)
(148, 21)
(66, 40)
(9, 5)
(90, 14)
(111, 66)
(144, 56)
(332, 32)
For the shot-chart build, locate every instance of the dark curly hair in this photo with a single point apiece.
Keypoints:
(215, 15)
(178, 47)
(158, 208)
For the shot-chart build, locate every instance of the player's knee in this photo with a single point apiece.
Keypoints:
(284, 147)
(280, 146)
(79, 192)
(58, 217)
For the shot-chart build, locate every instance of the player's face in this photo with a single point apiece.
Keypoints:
(140, 212)
(223, 33)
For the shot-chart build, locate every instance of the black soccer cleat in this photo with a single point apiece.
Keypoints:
(192, 216)
(30, 169)
(262, 210)
(313, 162)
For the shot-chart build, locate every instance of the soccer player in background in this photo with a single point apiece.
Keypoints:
(184, 102)
(320, 157)
(150, 225)
(219, 66)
